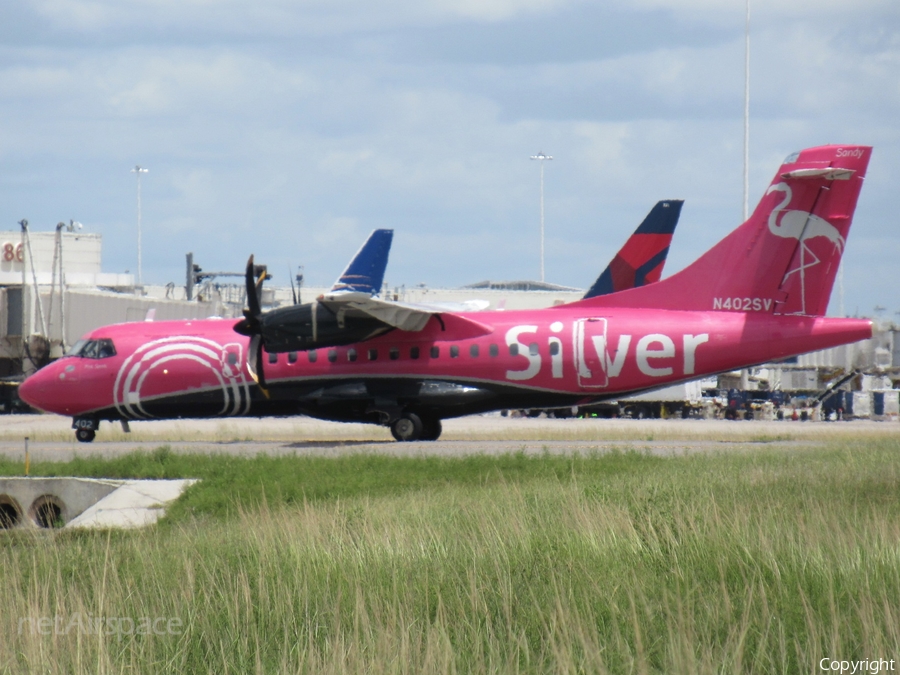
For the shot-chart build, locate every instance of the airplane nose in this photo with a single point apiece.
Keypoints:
(29, 390)
(36, 389)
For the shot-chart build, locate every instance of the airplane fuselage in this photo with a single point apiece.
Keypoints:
(457, 365)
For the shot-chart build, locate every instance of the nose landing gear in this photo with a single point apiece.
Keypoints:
(85, 428)
(85, 435)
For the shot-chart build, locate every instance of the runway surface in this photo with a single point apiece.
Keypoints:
(50, 438)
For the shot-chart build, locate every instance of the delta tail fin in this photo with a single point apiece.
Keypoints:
(641, 260)
(784, 259)
(365, 273)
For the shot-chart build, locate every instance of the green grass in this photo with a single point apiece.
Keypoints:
(760, 561)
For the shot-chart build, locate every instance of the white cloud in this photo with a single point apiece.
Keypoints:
(712, 10)
(494, 10)
(279, 17)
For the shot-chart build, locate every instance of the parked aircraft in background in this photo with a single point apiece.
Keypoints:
(758, 295)
(641, 260)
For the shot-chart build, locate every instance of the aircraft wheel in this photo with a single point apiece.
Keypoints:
(431, 429)
(85, 435)
(407, 428)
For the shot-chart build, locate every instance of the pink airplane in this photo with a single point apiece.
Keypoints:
(756, 296)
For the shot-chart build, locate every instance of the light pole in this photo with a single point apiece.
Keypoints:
(138, 170)
(541, 156)
(747, 112)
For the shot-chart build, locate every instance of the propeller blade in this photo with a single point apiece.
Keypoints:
(255, 363)
(252, 327)
(293, 291)
(259, 367)
(253, 309)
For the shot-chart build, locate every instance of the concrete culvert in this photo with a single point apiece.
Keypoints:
(48, 511)
(10, 513)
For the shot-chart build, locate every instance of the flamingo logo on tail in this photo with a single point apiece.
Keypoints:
(802, 226)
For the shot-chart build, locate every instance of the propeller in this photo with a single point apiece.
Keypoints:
(293, 291)
(251, 325)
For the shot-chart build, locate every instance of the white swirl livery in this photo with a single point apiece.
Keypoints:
(150, 364)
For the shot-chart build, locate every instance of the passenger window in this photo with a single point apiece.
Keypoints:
(312, 356)
(395, 354)
(514, 349)
(494, 350)
(273, 358)
(435, 352)
(373, 355)
(292, 357)
(231, 358)
(413, 352)
(454, 351)
(473, 351)
(351, 355)
(533, 349)
(332, 355)
(554, 348)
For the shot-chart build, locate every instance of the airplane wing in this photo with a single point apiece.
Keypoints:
(640, 261)
(343, 316)
(400, 315)
(394, 314)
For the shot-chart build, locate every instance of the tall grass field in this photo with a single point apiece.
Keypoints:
(760, 560)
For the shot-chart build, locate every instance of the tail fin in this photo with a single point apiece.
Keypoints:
(365, 273)
(784, 259)
(641, 260)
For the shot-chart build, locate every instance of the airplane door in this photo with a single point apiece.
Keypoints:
(231, 360)
(590, 345)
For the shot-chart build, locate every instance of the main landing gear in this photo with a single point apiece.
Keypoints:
(410, 427)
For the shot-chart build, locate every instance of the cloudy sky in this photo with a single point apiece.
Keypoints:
(292, 128)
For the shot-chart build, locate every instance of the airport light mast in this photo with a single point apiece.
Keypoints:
(541, 156)
(138, 171)
(747, 113)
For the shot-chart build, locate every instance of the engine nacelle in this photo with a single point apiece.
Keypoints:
(314, 326)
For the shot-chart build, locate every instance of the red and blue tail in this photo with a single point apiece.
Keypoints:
(784, 259)
(641, 260)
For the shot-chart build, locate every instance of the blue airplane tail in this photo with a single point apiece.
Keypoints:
(640, 261)
(365, 273)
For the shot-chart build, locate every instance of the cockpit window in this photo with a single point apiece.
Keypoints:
(75, 349)
(101, 348)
